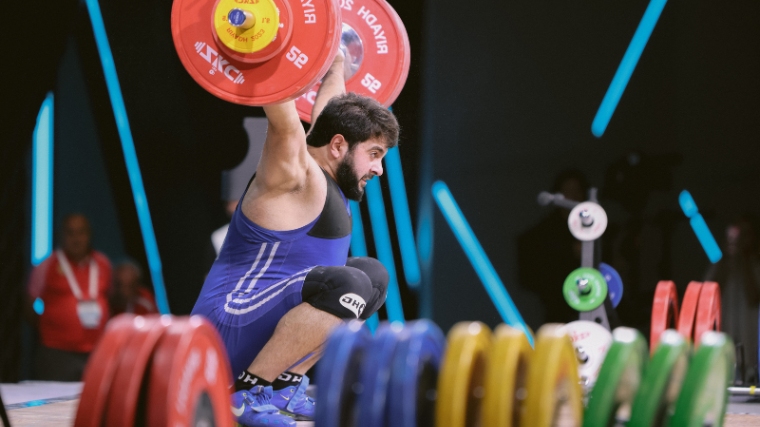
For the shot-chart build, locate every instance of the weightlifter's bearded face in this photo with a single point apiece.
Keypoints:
(360, 164)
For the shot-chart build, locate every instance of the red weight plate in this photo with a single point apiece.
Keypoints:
(101, 368)
(189, 377)
(306, 57)
(689, 310)
(386, 53)
(708, 311)
(130, 374)
(664, 311)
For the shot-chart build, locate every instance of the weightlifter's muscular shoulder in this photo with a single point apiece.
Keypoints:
(290, 189)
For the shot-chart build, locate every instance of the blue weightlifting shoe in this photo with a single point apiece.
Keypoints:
(253, 408)
(294, 402)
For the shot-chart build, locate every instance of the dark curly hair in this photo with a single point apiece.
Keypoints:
(358, 118)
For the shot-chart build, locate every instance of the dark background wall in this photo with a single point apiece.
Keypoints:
(510, 91)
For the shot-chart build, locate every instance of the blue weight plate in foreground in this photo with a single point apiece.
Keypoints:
(614, 283)
(337, 372)
(376, 375)
(414, 376)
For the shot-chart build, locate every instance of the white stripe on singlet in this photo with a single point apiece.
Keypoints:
(258, 276)
(248, 309)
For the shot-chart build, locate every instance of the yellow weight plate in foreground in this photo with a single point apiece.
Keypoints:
(554, 393)
(460, 382)
(506, 374)
(246, 26)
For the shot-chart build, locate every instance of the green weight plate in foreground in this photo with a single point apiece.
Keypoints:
(594, 294)
(661, 385)
(619, 379)
(705, 389)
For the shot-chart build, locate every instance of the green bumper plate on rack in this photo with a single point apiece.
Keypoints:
(705, 389)
(611, 399)
(589, 298)
(655, 401)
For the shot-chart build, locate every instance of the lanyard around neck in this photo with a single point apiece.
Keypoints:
(73, 284)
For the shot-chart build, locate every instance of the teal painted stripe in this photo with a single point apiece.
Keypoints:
(403, 219)
(478, 258)
(383, 247)
(130, 155)
(42, 182)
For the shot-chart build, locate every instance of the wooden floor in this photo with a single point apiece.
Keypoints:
(62, 415)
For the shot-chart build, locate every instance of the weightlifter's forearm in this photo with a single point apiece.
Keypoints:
(333, 84)
(283, 118)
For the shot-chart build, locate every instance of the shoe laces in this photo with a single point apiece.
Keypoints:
(257, 397)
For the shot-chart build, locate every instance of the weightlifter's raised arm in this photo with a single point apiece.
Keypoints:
(333, 84)
(284, 160)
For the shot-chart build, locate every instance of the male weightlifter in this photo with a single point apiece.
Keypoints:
(283, 280)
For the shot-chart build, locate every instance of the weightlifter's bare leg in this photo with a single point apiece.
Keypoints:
(301, 331)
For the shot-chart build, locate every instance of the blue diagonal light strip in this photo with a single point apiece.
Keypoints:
(42, 183)
(359, 248)
(383, 247)
(130, 156)
(402, 217)
(478, 258)
(627, 65)
(698, 224)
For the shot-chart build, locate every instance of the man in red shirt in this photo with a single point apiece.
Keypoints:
(73, 284)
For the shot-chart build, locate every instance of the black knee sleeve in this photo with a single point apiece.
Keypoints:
(341, 291)
(379, 278)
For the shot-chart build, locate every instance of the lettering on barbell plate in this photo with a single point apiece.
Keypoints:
(377, 30)
(309, 12)
(218, 63)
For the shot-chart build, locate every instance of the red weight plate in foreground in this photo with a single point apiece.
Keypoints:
(313, 43)
(689, 310)
(386, 53)
(189, 377)
(708, 311)
(130, 375)
(101, 369)
(664, 311)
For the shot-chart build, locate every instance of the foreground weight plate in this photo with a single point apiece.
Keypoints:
(338, 371)
(376, 374)
(189, 377)
(128, 381)
(585, 289)
(591, 342)
(376, 46)
(611, 400)
(587, 221)
(506, 374)
(689, 310)
(708, 311)
(301, 53)
(664, 311)
(100, 370)
(461, 380)
(554, 394)
(661, 385)
(705, 390)
(414, 376)
(614, 283)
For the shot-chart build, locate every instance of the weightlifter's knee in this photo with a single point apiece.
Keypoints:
(378, 275)
(340, 291)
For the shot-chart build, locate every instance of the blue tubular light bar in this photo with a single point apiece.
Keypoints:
(359, 248)
(358, 242)
(627, 65)
(403, 218)
(699, 226)
(383, 247)
(130, 156)
(478, 258)
(42, 183)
